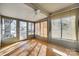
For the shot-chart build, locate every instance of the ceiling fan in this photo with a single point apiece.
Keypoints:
(36, 13)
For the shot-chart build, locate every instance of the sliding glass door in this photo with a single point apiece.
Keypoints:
(23, 30)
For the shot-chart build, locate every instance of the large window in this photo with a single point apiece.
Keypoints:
(45, 29)
(41, 29)
(36, 28)
(56, 28)
(13, 28)
(23, 30)
(64, 28)
(30, 28)
(8, 28)
(68, 27)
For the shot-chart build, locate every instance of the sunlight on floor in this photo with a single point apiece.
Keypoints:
(59, 52)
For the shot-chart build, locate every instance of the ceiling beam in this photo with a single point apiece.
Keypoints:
(37, 7)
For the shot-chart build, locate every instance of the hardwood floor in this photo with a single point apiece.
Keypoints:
(36, 48)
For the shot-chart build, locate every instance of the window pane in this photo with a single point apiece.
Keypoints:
(39, 29)
(56, 28)
(36, 29)
(23, 30)
(13, 28)
(68, 27)
(29, 28)
(8, 28)
(45, 28)
(32, 28)
(42, 29)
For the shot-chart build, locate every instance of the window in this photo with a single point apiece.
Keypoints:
(64, 28)
(45, 28)
(23, 30)
(32, 28)
(37, 29)
(41, 29)
(29, 28)
(56, 28)
(8, 28)
(68, 27)
(9, 31)
(13, 28)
